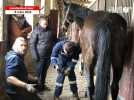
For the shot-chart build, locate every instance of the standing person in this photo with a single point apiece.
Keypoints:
(64, 57)
(16, 74)
(17, 26)
(41, 43)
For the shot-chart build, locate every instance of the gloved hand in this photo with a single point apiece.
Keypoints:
(36, 58)
(67, 71)
(30, 87)
(57, 68)
(35, 78)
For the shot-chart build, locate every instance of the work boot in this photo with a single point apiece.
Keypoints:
(41, 87)
(46, 88)
(86, 94)
(56, 98)
(75, 96)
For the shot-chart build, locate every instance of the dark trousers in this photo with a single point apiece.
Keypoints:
(60, 81)
(16, 96)
(41, 69)
(24, 96)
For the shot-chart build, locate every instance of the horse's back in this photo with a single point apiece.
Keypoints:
(117, 24)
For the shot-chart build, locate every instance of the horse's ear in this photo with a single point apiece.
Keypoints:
(66, 2)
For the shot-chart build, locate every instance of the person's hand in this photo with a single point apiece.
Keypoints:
(30, 87)
(67, 71)
(32, 79)
(35, 80)
(56, 67)
(36, 57)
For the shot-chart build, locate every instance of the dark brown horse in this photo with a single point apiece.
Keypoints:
(17, 26)
(102, 40)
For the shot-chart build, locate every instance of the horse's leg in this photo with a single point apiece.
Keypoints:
(89, 70)
(117, 64)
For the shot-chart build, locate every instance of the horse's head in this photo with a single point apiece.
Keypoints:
(73, 20)
(71, 11)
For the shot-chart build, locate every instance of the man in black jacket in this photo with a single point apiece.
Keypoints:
(41, 43)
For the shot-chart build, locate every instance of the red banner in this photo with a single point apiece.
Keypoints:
(22, 8)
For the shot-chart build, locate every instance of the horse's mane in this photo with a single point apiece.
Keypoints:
(77, 10)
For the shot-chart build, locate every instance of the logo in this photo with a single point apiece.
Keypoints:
(22, 9)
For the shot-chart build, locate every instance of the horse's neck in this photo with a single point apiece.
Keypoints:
(75, 9)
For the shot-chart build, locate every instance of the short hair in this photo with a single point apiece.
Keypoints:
(69, 46)
(17, 42)
(43, 18)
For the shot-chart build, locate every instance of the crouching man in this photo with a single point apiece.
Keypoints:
(64, 58)
(16, 73)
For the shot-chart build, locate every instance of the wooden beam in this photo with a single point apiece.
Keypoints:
(82, 1)
(85, 3)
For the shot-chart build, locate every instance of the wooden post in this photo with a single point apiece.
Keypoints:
(3, 29)
(51, 4)
(29, 17)
(1, 21)
(42, 7)
(115, 5)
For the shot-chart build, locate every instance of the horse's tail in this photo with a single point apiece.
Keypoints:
(103, 61)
